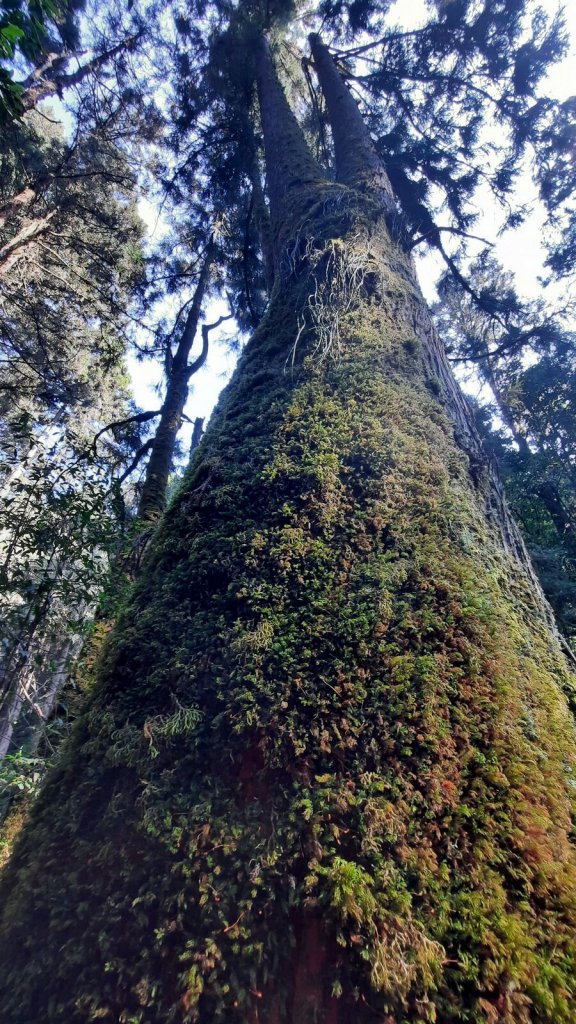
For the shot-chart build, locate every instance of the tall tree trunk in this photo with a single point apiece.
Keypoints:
(357, 162)
(328, 774)
(290, 167)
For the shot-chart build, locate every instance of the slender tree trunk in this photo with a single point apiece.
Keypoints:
(10, 711)
(550, 496)
(35, 687)
(24, 717)
(357, 163)
(328, 774)
(48, 686)
(153, 497)
(197, 432)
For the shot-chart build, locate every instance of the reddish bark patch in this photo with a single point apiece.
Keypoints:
(310, 998)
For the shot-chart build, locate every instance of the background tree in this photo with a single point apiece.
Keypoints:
(524, 353)
(30, 29)
(70, 261)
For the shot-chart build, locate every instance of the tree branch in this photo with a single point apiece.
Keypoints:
(146, 447)
(45, 81)
(25, 235)
(206, 328)
(140, 417)
(452, 231)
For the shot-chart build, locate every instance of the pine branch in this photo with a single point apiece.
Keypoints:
(46, 80)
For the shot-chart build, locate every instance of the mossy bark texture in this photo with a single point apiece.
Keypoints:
(328, 774)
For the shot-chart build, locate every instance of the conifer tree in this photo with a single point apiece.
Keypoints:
(524, 352)
(328, 770)
(69, 262)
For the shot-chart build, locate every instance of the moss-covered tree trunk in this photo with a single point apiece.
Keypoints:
(328, 774)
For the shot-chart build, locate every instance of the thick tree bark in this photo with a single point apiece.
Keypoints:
(328, 774)
(359, 166)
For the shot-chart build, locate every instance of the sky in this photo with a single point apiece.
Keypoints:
(205, 385)
(519, 250)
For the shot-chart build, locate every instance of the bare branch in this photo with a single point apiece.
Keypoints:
(453, 231)
(206, 328)
(140, 417)
(146, 447)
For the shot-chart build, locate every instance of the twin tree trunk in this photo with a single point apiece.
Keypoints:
(328, 773)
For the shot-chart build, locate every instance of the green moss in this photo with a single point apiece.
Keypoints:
(334, 697)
